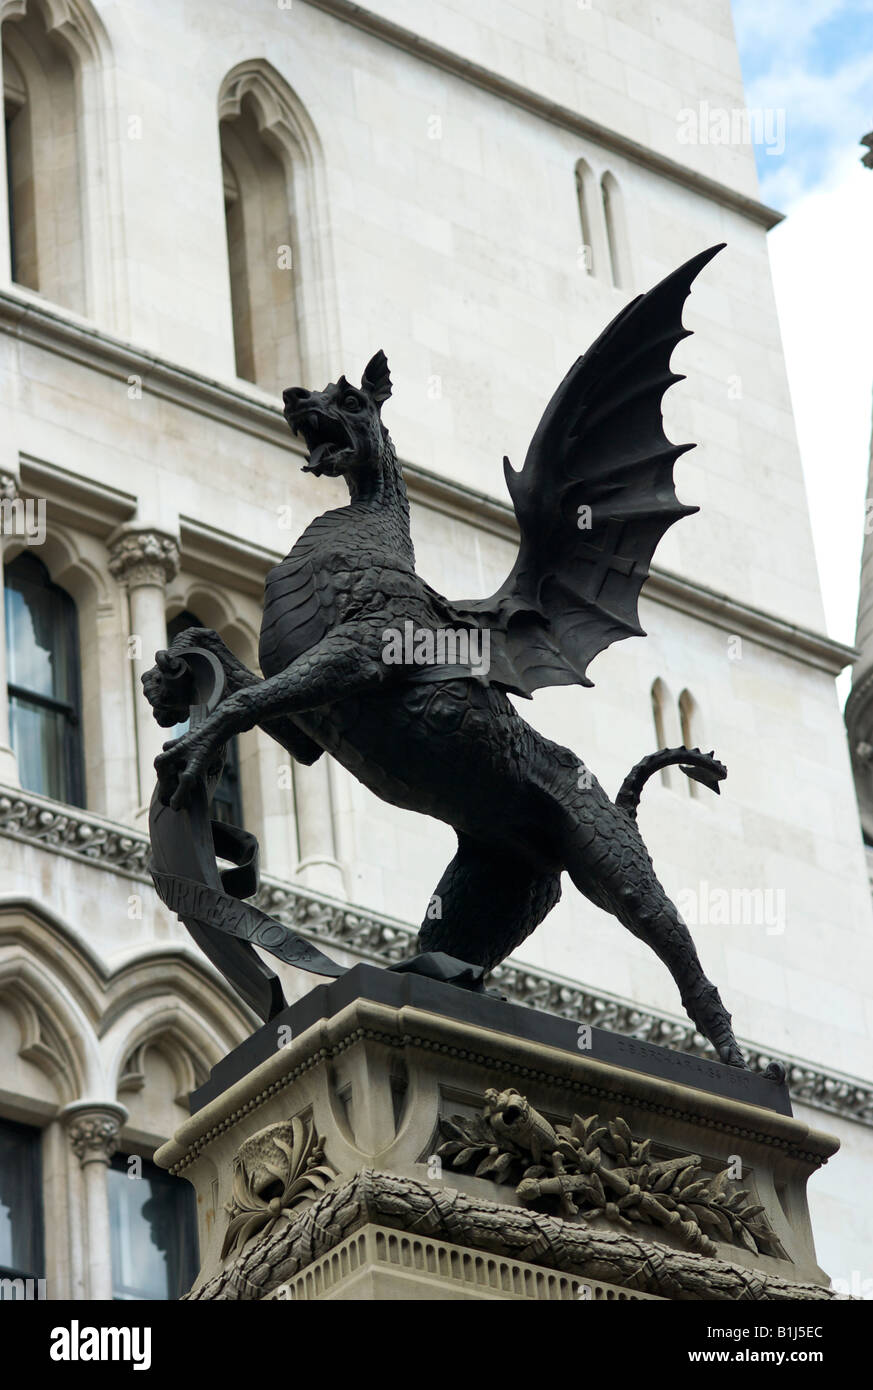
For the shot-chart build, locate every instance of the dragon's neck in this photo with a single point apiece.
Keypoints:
(381, 489)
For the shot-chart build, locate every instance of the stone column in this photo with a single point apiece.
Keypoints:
(145, 561)
(8, 761)
(93, 1128)
(5, 234)
(318, 867)
(859, 706)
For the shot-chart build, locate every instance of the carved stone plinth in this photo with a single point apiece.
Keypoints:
(396, 1137)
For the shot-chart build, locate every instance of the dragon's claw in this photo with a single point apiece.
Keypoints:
(188, 779)
(181, 767)
(731, 1055)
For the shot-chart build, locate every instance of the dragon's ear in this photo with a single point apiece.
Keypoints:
(376, 380)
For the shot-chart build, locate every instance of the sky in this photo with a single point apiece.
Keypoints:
(813, 60)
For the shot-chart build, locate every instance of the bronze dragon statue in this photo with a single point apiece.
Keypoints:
(593, 499)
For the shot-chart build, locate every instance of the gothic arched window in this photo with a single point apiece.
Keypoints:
(616, 235)
(261, 257)
(586, 189)
(661, 700)
(42, 115)
(689, 718)
(21, 1214)
(19, 176)
(42, 667)
(283, 287)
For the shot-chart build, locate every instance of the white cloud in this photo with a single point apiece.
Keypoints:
(809, 59)
(825, 117)
(823, 278)
(783, 28)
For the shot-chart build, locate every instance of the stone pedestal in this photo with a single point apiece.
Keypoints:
(390, 1136)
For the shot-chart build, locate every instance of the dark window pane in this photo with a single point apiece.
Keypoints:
(39, 739)
(154, 1232)
(227, 800)
(42, 652)
(21, 1249)
(40, 619)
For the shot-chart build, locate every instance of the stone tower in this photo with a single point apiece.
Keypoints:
(859, 707)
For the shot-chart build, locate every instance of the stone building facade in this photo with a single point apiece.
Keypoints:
(208, 202)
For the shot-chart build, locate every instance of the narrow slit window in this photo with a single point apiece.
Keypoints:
(660, 700)
(584, 185)
(689, 721)
(613, 213)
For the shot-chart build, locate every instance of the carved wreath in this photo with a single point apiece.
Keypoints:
(595, 1167)
(273, 1172)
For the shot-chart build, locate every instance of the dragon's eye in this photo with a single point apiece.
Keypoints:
(351, 402)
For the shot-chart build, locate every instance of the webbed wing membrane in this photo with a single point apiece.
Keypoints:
(593, 499)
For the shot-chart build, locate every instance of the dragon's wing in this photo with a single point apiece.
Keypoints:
(593, 500)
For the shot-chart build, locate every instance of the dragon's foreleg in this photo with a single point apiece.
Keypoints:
(334, 669)
(170, 696)
(168, 686)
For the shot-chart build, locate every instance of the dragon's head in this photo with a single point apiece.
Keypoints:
(342, 424)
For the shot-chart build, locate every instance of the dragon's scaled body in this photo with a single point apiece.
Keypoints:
(593, 499)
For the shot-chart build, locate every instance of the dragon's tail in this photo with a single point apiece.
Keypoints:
(702, 767)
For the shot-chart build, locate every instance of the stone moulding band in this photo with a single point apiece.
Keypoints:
(487, 80)
(400, 1203)
(253, 412)
(366, 1021)
(31, 819)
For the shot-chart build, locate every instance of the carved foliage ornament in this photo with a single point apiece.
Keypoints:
(60, 829)
(274, 1171)
(144, 557)
(594, 1167)
(94, 1134)
(461, 1220)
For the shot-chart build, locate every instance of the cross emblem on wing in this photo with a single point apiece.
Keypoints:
(605, 558)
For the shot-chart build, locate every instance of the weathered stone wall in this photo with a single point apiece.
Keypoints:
(443, 225)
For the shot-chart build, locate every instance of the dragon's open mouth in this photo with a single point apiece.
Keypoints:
(326, 439)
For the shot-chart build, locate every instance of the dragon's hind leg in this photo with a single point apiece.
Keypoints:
(608, 862)
(653, 918)
(486, 903)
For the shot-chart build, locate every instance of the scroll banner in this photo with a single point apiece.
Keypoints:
(210, 907)
(186, 847)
